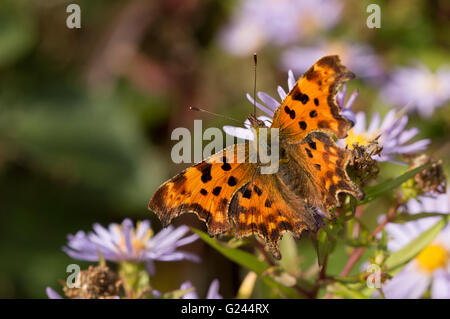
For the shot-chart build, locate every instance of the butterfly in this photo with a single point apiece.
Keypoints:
(232, 196)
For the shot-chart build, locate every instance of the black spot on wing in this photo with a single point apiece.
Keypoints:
(247, 194)
(216, 190)
(297, 95)
(232, 181)
(302, 125)
(257, 190)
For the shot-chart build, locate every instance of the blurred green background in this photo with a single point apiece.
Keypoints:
(86, 116)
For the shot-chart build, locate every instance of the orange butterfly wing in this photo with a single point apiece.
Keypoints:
(325, 163)
(222, 189)
(311, 104)
(205, 189)
(264, 207)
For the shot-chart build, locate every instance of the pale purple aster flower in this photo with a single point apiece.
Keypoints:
(270, 104)
(431, 268)
(52, 294)
(125, 243)
(419, 88)
(346, 107)
(393, 135)
(279, 22)
(213, 291)
(359, 58)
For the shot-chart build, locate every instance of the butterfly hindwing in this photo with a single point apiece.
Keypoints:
(264, 207)
(311, 104)
(326, 165)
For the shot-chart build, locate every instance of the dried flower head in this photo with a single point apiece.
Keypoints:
(95, 283)
(431, 179)
(362, 166)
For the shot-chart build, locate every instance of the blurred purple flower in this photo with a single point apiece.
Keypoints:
(125, 243)
(393, 136)
(346, 108)
(270, 104)
(359, 58)
(213, 291)
(432, 265)
(420, 88)
(52, 294)
(279, 22)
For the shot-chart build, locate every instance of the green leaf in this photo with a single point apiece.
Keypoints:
(404, 255)
(382, 188)
(248, 261)
(322, 246)
(346, 292)
(402, 218)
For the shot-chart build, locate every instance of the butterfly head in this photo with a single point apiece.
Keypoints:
(255, 122)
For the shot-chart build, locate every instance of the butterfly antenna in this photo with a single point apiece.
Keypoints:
(193, 108)
(255, 61)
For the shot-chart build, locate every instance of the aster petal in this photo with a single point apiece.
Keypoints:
(213, 291)
(169, 235)
(398, 234)
(440, 288)
(413, 147)
(157, 293)
(268, 100)
(352, 99)
(52, 294)
(360, 124)
(388, 120)
(174, 256)
(142, 229)
(281, 93)
(349, 115)
(187, 240)
(407, 135)
(340, 96)
(397, 127)
(127, 226)
(408, 284)
(87, 256)
(238, 132)
(291, 80)
(190, 295)
(260, 106)
(374, 123)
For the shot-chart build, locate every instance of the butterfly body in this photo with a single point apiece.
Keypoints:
(229, 192)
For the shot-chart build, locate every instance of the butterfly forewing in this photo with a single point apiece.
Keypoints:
(205, 189)
(311, 105)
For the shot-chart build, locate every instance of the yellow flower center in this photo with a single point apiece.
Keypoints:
(360, 139)
(434, 256)
(138, 244)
